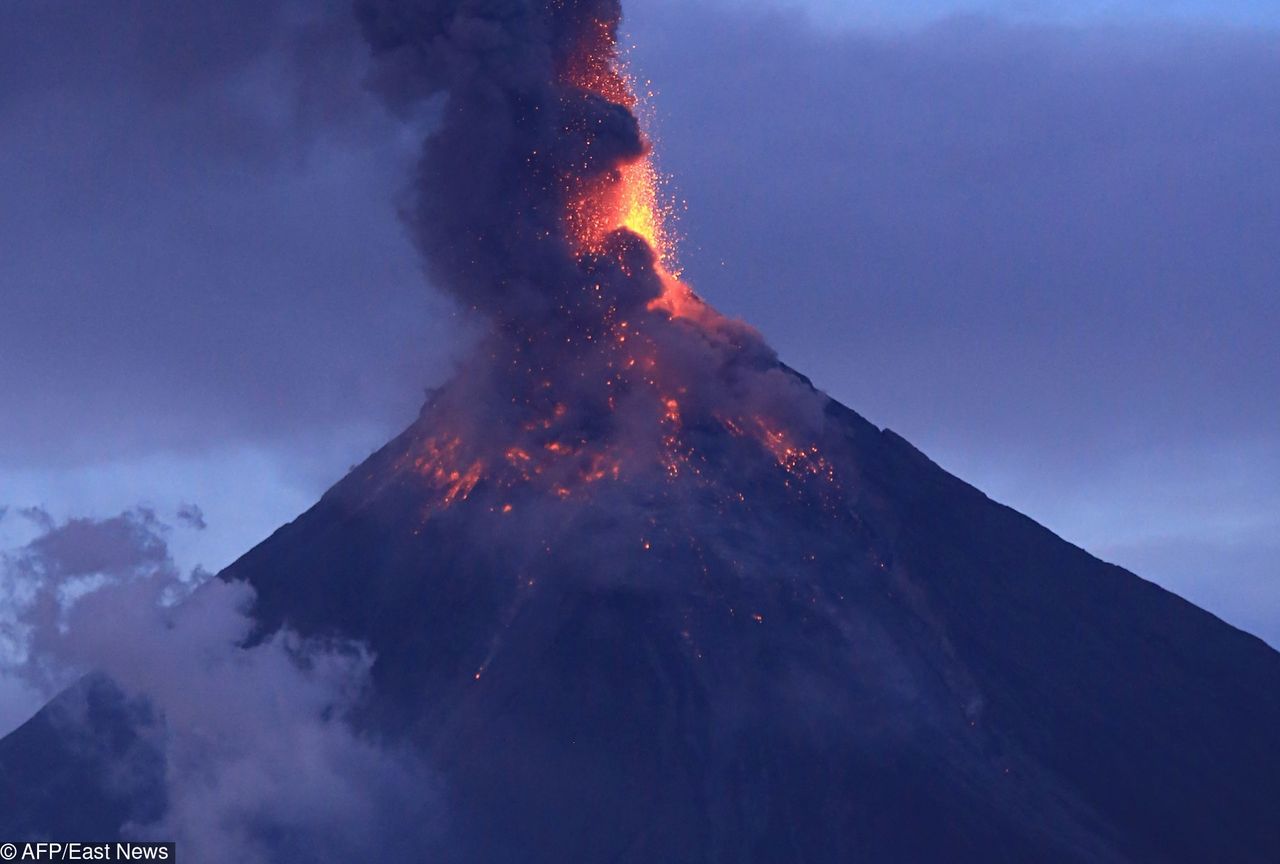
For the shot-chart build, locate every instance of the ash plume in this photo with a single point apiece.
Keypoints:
(519, 136)
(536, 205)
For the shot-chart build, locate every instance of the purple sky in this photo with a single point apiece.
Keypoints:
(1045, 252)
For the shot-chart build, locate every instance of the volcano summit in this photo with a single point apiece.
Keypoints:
(637, 592)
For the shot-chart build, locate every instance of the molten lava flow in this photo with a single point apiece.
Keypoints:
(797, 460)
(443, 464)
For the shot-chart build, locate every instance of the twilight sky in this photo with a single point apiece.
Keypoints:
(1036, 238)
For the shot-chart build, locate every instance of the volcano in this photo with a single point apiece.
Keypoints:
(772, 669)
(638, 592)
(763, 669)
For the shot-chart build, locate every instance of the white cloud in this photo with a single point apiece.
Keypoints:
(260, 758)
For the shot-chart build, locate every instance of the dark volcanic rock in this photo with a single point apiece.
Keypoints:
(750, 668)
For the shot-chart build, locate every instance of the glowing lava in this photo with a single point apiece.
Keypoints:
(631, 197)
(635, 401)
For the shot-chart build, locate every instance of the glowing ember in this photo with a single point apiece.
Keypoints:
(604, 397)
(444, 467)
(631, 197)
(797, 460)
(644, 213)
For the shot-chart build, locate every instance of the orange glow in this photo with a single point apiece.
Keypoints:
(570, 456)
(443, 464)
(631, 197)
(643, 212)
(565, 467)
(602, 468)
(795, 459)
(679, 301)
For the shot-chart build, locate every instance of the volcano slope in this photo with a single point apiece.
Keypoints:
(752, 658)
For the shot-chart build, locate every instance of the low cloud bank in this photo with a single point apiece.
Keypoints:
(261, 760)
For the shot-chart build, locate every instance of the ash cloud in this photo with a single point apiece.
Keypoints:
(185, 176)
(515, 141)
(260, 761)
(192, 515)
(38, 516)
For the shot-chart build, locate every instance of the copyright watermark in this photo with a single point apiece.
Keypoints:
(46, 851)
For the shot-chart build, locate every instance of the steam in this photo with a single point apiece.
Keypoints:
(259, 759)
(193, 516)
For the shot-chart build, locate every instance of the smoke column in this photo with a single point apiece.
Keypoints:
(533, 117)
(535, 205)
